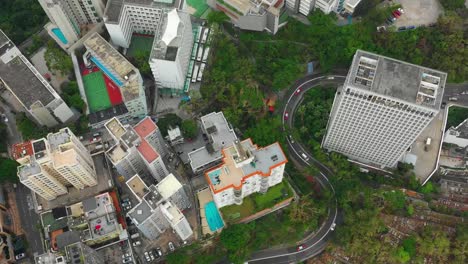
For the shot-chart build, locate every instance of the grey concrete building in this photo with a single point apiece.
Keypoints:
(381, 109)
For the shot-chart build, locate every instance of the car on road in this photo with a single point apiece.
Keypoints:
(306, 158)
(291, 139)
(330, 78)
(20, 256)
(286, 116)
(171, 246)
(298, 91)
(300, 248)
(332, 227)
(453, 99)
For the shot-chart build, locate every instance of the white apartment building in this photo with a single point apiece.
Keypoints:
(125, 17)
(382, 108)
(69, 18)
(304, 7)
(126, 76)
(170, 55)
(29, 87)
(255, 15)
(136, 149)
(220, 135)
(160, 207)
(246, 169)
(49, 166)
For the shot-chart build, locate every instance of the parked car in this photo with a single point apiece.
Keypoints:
(298, 91)
(137, 243)
(147, 257)
(395, 14)
(401, 10)
(300, 248)
(291, 139)
(159, 251)
(171, 246)
(126, 255)
(401, 28)
(127, 260)
(453, 99)
(306, 158)
(20, 256)
(410, 27)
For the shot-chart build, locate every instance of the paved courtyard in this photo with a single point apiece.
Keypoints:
(418, 13)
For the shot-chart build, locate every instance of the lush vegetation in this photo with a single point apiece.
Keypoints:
(140, 60)
(453, 4)
(71, 96)
(169, 120)
(189, 129)
(8, 170)
(20, 19)
(57, 60)
(3, 137)
(29, 129)
(456, 115)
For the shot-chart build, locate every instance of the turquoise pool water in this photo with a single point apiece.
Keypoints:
(106, 71)
(58, 33)
(214, 176)
(213, 217)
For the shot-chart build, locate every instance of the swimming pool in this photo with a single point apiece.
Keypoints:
(214, 176)
(213, 217)
(106, 71)
(58, 33)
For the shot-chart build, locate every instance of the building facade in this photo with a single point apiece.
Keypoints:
(304, 7)
(29, 88)
(170, 54)
(70, 17)
(49, 166)
(126, 76)
(255, 15)
(136, 149)
(382, 108)
(122, 18)
(159, 207)
(246, 169)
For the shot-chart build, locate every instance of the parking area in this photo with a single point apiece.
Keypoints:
(418, 13)
(118, 253)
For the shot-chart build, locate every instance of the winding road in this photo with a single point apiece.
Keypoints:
(315, 243)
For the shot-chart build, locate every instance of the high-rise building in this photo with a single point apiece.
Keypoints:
(255, 15)
(246, 169)
(137, 150)
(125, 17)
(220, 135)
(69, 18)
(120, 71)
(326, 6)
(171, 51)
(29, 87)
(159, 207)
(381, 109)
(49, 166)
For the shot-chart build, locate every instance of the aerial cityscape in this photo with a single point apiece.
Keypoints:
(233, 131)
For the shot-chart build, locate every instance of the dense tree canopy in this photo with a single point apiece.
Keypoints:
(189, 128)
(57, 60)
(8, 170)
(19, 19)
(29, 129)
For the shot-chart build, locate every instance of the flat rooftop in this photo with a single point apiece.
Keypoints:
(56, 139)
(397, 79)
(115, 128)
(242, 6)
(145, 127)
(140, 212)
(137, 186)
(147, 151)
(461, 129)
(23, 149)
(218, 130)
(68, 157)
(168, 186)
(21, 76)
(114, 7)
(24, 171)
(263, 161)
(116, 153)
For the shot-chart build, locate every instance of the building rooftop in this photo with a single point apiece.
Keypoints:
(21, 150)
(168, 186)
(116, 153)
(56, 139)
(115, 65)
(115, 128)
(242, 6)
(169, 37)
(24, 171)
(67, 238)
(68, 157)
(21, 76)
(114, 7)
(140, 212)
(137, 186)
(242, 160)
(460, 131)
(130, 137)
(147, 151)
(145, 127)
(398, 79)
(174, 133)
(106, 114)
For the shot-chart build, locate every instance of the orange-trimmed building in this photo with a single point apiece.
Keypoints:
(246, 169)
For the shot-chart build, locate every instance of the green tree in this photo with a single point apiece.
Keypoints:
(169, 120)
(178, 258)
(57, 60)
(189, 128)
(28, 129)
(8, 170)
(401, 256)
(453, 4)
(394, 200)
(3, 137)
(410, 210)
(216, 17)
(460, 244)
(266, 131)
(235, 239)
(141, 62)
(409, 244)
(428, 188)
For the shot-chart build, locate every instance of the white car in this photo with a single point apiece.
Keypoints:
(137, 243)
(332, 227)
(20, 256)
(401, 10)
(171, 246)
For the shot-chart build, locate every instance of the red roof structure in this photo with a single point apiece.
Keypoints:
(22, 149)
(145, 127)
(147, 151)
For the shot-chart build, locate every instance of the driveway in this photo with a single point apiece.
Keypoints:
(418, 13)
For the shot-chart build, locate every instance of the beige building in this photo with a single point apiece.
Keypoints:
(49, 166)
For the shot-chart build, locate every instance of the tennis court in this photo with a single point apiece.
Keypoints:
(96, 91)
(200, 7)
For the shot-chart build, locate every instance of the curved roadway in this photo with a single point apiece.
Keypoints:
(316, 242)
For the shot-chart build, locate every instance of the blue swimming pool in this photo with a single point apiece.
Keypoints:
(214, 176)
(213, 217)
(58, 33)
